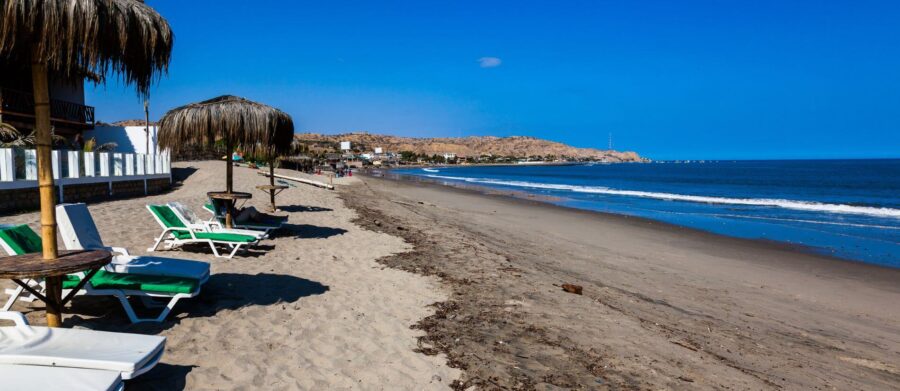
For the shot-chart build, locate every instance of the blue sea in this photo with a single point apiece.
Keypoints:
(843, 208)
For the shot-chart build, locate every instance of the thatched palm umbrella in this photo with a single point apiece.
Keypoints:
(68, 38)
(255, 128)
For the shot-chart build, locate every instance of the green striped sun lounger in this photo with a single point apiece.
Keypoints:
(176, 233)
(20, 239)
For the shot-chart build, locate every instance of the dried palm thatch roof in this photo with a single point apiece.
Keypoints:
(88, 37)
(252, 127)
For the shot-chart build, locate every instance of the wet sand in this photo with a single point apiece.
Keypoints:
(663, 307)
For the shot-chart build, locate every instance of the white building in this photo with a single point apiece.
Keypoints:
(130, 139)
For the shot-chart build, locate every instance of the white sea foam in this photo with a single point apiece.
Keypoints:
(777, 203)
(430, 170)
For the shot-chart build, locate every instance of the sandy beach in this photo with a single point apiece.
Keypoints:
(387, 284)
(663, 307)
(311, 309)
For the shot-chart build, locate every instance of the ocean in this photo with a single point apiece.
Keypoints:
(843, 208)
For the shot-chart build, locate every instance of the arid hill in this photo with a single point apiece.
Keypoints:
(517, 146)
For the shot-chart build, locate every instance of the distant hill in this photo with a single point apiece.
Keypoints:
(518, 146)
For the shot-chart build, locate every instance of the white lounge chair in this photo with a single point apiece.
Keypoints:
(190, 220)
(78, 231)
(34, 377)
(129, 355)
(176, 233)
(20, 239)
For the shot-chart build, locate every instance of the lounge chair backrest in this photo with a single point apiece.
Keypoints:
(165, 215)
(77, 228)
(185, 212)
(213, 207)
(19, 240)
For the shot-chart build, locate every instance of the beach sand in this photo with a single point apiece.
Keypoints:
(310, 310)
(663, 307)
(407, 286)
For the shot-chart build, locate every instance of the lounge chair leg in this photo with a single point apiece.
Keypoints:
(156, 245)
(13, 295)
(127, 307)
(165, 312)
(236, 248)
(17, 294)
(213, 247)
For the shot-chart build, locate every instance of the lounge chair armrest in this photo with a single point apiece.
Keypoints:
(17, 318)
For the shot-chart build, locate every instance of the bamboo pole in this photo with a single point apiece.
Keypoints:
(45, 184)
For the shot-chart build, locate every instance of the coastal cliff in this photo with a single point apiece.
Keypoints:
(518, 146)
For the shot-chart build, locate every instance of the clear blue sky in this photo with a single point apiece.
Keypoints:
(669, 79)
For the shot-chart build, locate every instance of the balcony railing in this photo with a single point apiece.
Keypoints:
(20, 103)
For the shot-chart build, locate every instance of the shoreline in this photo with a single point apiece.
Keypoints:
(663, 306)
(548, 201)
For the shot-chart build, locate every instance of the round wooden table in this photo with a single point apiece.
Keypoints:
(273, 191)
(34, 266)
(230, 199)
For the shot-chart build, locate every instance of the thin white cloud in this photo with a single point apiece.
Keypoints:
(489, 62)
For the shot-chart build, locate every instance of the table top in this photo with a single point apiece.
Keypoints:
(223, 195)
(34, 266)
(271, 187)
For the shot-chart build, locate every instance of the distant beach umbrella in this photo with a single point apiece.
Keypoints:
(254, 128)
(69, 39)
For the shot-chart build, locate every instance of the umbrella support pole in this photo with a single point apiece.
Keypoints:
(45, 184)
(229, 180)
(272, 183)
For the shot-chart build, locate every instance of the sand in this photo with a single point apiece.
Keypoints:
(408, 286)
(310, 310)
(663, 307)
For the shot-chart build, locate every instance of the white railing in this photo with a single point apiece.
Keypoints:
(18, 168)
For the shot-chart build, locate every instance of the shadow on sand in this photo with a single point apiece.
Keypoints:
(303, 208)
(179, 174)
(306, 231)
(223, 291)
(163, 377)
(203, 248)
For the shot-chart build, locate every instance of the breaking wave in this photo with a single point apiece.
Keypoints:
(766, 202)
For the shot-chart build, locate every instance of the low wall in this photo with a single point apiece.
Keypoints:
(28, 199)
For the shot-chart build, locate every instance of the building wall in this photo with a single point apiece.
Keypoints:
(23, 200)
(131, 139)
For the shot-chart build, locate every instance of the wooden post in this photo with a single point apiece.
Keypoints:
(45, 184)
(229, 147)
(147, 123)
(272, 183)
(229, 180)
